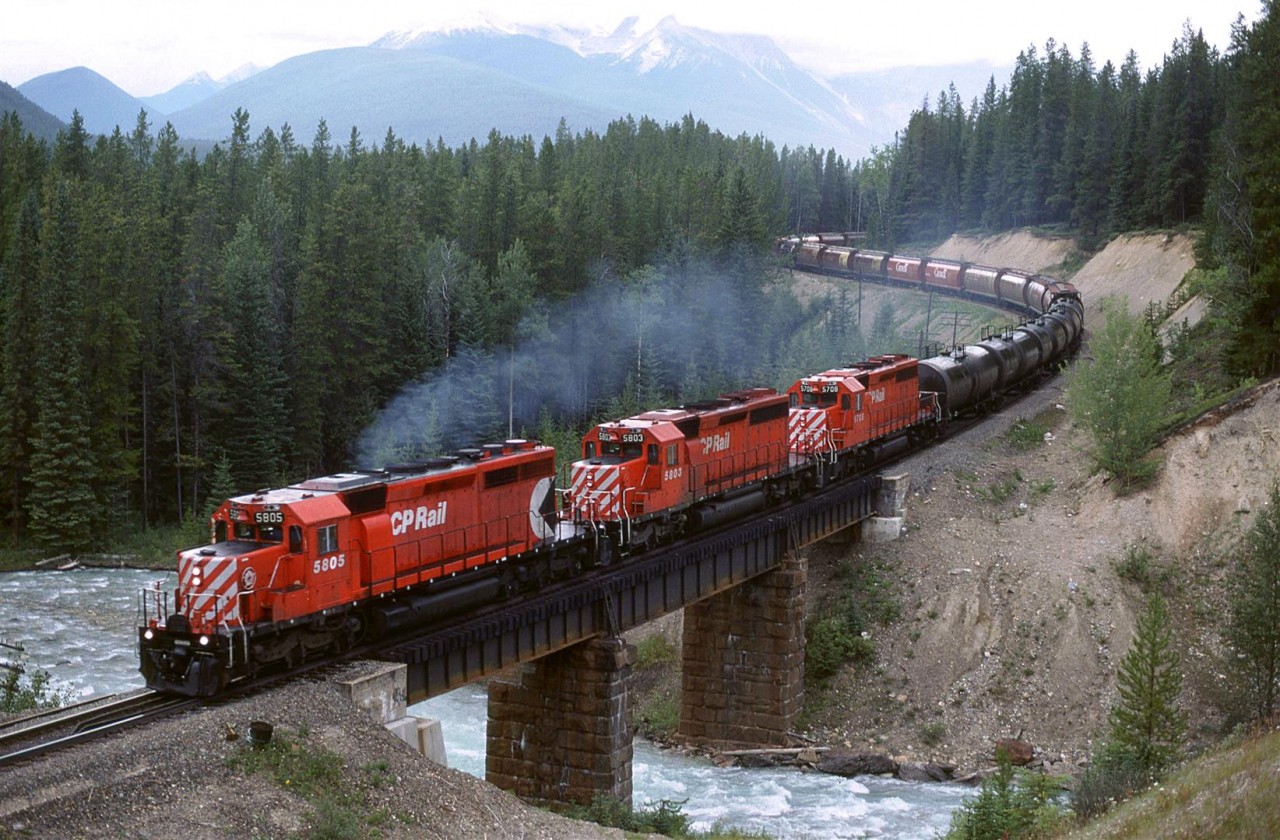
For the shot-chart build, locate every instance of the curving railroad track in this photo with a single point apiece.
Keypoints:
(32, 735)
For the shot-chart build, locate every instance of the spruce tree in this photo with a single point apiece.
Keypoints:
(1253, 625)
(19, 297)
(60, 504)
(1146, 725)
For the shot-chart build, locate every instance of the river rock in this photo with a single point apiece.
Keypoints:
(848, 763)
(1020, 752)
(914, 771)
(756, 761)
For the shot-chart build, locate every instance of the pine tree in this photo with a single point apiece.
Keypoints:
(19, 298)
(1146, 724)
(60, 505)
(1253, 626)
(251, 363)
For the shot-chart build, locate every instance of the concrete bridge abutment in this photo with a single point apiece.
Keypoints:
(559, 729)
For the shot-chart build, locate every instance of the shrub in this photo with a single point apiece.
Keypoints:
(1008, 806)
(20, 693)
(666, 817)
(1121, 396)
(1113, 776)
(830, 643)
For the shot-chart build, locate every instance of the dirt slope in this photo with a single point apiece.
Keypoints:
(1007, 250)
(1143, 267)
(1015, 613)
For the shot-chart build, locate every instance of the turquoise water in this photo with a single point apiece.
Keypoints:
(79, 626)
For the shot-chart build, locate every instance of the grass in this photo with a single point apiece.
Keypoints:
(657, 668)
(656, 650)
(1028, 433)
(148, 548)
(338, 798)
(1229, 794)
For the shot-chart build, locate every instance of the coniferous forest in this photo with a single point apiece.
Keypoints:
(180, 326)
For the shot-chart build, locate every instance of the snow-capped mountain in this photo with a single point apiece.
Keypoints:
(194, 89)
(736, 83)
(463, 80)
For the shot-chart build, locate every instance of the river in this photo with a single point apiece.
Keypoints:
(79, 626)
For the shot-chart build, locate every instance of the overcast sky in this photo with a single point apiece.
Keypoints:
(148, 46)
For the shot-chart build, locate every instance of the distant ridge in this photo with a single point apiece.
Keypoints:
(462, 81)
(35, 120)
(101, 104)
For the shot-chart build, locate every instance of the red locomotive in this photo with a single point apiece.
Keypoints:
(642, 474)
(857, 407)
(311, 566)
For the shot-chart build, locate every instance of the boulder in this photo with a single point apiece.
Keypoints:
(757, 761)
(848, 763)
(1020, 752)
(915, 771)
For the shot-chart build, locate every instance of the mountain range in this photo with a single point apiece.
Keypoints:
(462, 82)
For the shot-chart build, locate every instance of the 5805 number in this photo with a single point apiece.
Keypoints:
(329, 564)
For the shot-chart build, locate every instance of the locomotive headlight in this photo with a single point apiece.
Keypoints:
(204, 641)
(195, 580)
(148, 635)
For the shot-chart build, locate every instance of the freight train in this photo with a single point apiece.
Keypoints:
(310, 570)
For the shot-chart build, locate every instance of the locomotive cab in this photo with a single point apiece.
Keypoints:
(628, 467)
(850, 407)
(265, 550)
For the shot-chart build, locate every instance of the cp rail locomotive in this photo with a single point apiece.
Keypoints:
(311, 569)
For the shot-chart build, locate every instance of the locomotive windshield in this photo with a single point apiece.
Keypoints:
(259, 533)
(819, 400)
(625, 451)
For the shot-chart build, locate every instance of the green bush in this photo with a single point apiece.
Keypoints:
(666, 817)
(1121, 396)
(830, 643)
(1113, 776)
(1137, 566)
(659, 715)
(655, 650)
(1008, 806)
(931, 734)
(22, 693)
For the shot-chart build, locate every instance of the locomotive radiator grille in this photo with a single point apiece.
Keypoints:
(210, 588)
(595, 492)
(807, 432)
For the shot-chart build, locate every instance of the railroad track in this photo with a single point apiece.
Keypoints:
(33, 735)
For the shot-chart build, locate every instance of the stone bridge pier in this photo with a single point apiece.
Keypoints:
(559, 727)
(743, 678)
